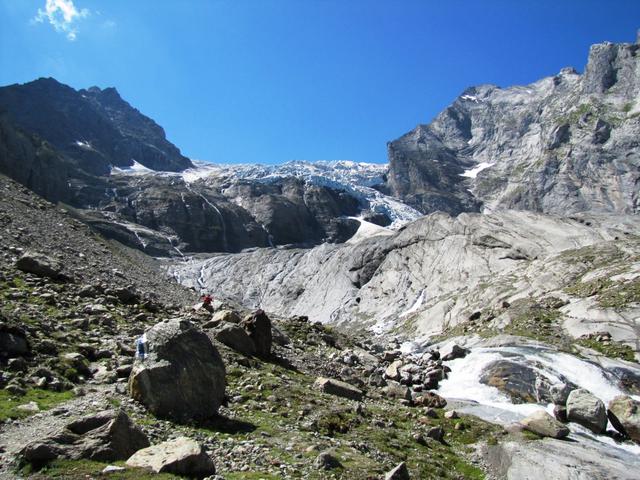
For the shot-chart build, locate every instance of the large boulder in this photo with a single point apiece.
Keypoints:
(181, 456)
(522, 383)
(182, 376)
(624, 413)
(39, 264)
(545, 425)
(400, 472)
(235, 337)
(258, 327)
(452, 351)
(104, 437)
(587, 410)
(13, 341)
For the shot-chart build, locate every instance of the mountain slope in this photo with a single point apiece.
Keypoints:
(94, 127)
(564, 144)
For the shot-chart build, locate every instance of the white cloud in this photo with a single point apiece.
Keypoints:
(63, 16)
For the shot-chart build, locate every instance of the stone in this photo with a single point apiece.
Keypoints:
(430, 399)
(587, 410)
(624, 413)
(396, 391)
(182, 456)
(392, 372)
(452, 351)
(399, 472)
(226, 316)
(327, 461)
(39, 264)
(545, 425)
(437, 433)
(182, 377)
(235, 337)
(451, 414)
(106, 436)
(338, 388)
(258, 327)
(31, 407)
(13, 341)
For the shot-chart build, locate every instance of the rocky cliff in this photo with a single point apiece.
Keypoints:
(563, 144)
(95, 128)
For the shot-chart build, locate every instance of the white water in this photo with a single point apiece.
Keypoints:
(492, 405)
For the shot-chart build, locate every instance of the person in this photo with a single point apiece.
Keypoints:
(207, 299)
(141, 347)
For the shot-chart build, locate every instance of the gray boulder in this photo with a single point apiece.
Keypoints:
(39, 264)
(258, 327)
(587, 410)
(181, 456)
(235, 337)
(182, 377)
(545, 425)
(336, 387)
(624, 413)
(452, 351)
(400, 472)
(104, 437)
(13, 341)
(327, 461)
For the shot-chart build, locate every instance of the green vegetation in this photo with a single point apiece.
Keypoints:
(610, 349)
(84, 469)
(45, 400)
(609, 294)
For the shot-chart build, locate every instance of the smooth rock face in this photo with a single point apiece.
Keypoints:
(183, 376)
(258, 327)
(587, 410)
(235, 337)
(624, 413)
(105, 437)
(181, 456)
(545, 425)
(561, 145)
(337, 387)
(399, 472)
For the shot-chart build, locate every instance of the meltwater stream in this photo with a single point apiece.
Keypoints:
(488, 403)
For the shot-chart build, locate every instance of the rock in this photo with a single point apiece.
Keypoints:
(400, 472)
(545, 425)
(182, 456)
(393, 371)
(437, 433)
(327, 461)
(587, 410)
(559, 393)
(452, 351)
(235, 337)
(430, 399)
(183, 376)
(112, 469)
(624, 413)
(522, 383)
(451, 414)
(31, 407)
(13, 341)
(258, 327)
(226, 316)
(104, 437)
(336, 387)
(39, 264)
(560, 413)
(396, 391)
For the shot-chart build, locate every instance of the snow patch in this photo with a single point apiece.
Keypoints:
(135, 169)
(473, 172)
(471, 98)
(367, 230)
(416, 305)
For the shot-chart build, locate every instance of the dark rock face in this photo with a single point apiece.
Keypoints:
(183, 376)
(39, 264)
(96, 127)
(105, 437)
(258, 327)
(234, 336)
(13, 341)
(563, 144)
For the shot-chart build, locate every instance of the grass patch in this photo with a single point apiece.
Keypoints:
(44, 398)
(609, 349)
(84, 469)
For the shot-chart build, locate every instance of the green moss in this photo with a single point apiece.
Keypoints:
(609, 294)
(610, 349)
(84, 469)
(44, 398)
(626, 108)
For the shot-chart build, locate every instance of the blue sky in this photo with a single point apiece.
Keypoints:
(274, 80)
